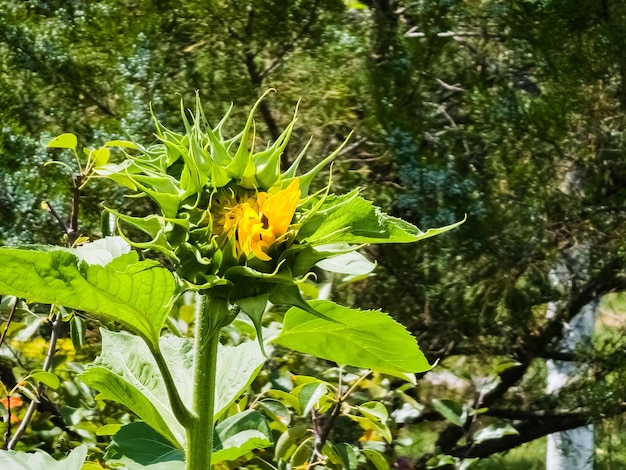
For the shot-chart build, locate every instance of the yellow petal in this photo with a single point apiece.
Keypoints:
(280, 208)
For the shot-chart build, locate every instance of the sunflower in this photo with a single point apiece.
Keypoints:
(254, 221)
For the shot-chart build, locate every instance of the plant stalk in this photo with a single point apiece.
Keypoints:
(41, 388)
(211, 316)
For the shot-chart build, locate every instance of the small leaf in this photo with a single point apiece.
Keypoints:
(108, 429)
(373, 429)
(374, 410)
(451, 410)
(277, 411)
(376, 458)
(494, 431)
(254, 307)
(347, 455)
(78, 329)
(287, 398)
(91, 466)
(120, 143)
(353, 263)
(308, 395)
(46, 378)
(101, 156)
(64, 141)
(240, 434)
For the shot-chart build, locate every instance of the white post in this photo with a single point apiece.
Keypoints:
(573, 449)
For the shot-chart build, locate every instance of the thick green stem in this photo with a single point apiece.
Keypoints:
(212, 315)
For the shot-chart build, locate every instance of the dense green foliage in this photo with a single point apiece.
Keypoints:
(509, 112)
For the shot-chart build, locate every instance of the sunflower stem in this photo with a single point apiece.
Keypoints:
(213, 314)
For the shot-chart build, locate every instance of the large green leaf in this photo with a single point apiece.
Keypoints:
(138, 446)
(13, 460)
(239, 434)
(368, 339)
(352, 219)
(127, 373)
(137, 294)
(237, 367)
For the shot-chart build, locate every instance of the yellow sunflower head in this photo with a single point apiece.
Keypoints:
(253, 221)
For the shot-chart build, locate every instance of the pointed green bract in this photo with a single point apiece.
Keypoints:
(366, 339)
(138, 295)
(254, 307)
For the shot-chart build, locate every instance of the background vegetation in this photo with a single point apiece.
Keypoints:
(509, 112)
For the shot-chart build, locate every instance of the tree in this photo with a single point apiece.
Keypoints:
(508, 130)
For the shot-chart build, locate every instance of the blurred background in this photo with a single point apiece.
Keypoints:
(511, 112)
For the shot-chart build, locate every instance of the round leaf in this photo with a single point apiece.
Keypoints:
(46, 378)
(64, 141)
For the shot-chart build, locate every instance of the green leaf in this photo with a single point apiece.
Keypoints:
(288, 440)
(101, 156)
(374, 410)
(284, 397)
(308, 395)
(78, 330)
(379, 428)
(354, 220)
(276, 411)
(137, 445)
(453, 411)
(494, 431)
(108, 429)
(120, 143)
(353, 263)
(290, 295)
(237, 367)
(239, 434)
(136, 294)
(376, 458)
(126, 372)
(13, 460)
(347, 455)
(64, 141)
(46, 378)
(366, 339)
(103, 251)
(91, 466)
